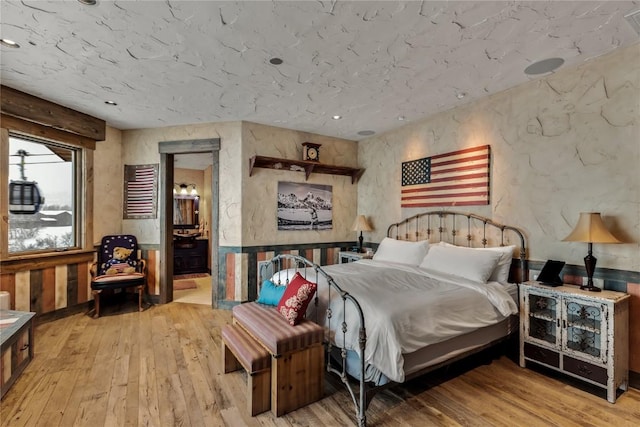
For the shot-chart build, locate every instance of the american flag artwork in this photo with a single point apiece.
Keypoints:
(140, 199)
(458, 178)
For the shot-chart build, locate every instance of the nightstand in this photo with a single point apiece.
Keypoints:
(579, 333)
(345, 257)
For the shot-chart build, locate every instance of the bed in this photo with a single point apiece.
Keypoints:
(440, 287)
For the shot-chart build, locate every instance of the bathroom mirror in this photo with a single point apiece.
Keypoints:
(185, 211)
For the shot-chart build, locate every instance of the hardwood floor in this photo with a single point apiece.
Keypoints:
(163, 367)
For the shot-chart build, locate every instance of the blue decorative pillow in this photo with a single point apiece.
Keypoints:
(270, 293)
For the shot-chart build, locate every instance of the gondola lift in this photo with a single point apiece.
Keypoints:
(24, 196)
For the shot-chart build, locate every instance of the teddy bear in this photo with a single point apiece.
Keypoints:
(120, 263)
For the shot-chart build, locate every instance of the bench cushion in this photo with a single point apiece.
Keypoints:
(251, 355)
(268, 326)
(114, 281)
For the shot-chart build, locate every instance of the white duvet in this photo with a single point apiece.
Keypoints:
(406, 308)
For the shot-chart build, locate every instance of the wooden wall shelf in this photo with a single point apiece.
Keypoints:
(303, 166)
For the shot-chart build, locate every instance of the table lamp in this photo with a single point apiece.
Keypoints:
(590, 229)
(361, 224)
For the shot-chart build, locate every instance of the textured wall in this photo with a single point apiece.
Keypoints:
(259, 192)
(108, 175)
(247, 205)
(561, 145)
(141, 147)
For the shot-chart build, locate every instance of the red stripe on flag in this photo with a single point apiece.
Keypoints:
(445, 187)
(431, 205)
(455, 178)
(483, 166)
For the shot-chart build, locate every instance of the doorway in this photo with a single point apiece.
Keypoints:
(191, 221)
(170, 152)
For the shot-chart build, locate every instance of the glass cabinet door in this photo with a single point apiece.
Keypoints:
(543, 319)
(585, 324)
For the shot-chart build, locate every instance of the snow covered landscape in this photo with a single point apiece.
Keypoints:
(304, 206)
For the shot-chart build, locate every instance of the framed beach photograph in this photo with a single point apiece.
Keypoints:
(303, 206)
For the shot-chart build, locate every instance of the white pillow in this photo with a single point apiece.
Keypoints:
(401, 251)
(460, 261)
(501, 272)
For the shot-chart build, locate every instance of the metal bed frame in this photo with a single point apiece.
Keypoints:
(289, 264)
(472, 220)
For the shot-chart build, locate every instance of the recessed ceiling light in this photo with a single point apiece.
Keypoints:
(461, 95)
(544, 66)
(366, 133)
(88, 2)
(401, 118)
(276, 61)
(9, 43)
(111, 102)
(336, 117)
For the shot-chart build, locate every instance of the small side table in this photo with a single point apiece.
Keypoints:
(16, 348)
(579, 333)
(345, 256)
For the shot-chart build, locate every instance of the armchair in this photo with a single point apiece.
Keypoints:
(118, 266)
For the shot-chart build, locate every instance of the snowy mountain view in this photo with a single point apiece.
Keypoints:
(304, 206)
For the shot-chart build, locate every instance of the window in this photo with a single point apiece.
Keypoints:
(51, 169)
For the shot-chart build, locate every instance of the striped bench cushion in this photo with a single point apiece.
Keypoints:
(268, 326)
(111, 278)
(251, 355)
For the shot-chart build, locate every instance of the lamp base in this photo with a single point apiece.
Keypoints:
(590, 267)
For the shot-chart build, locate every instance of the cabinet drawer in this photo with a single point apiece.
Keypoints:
(541, 355)
(585, 370)
(191, 256)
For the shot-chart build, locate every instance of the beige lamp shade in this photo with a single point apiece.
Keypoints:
(591, 229)
(361, 224)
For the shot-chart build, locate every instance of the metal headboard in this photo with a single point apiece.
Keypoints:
(448, 225)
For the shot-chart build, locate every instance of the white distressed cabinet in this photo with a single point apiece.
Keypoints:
(580, 333)
(345, 257)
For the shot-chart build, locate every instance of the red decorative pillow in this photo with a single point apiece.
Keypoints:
(293, 304)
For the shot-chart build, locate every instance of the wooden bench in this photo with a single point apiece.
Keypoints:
(297, 355)
(239, 350)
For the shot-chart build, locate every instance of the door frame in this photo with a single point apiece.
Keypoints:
(167, 151)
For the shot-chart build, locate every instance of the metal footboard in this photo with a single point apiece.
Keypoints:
(283, 268)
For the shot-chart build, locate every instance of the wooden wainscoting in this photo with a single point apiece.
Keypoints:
(53, 287)
(60, 283)
(238, 275)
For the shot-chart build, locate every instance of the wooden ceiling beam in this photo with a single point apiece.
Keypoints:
(38, 130)
(33, 109)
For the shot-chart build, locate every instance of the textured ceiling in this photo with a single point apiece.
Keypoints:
(177, 62)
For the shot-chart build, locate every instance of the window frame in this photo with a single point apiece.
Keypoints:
(83, 199)
(77, 184)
